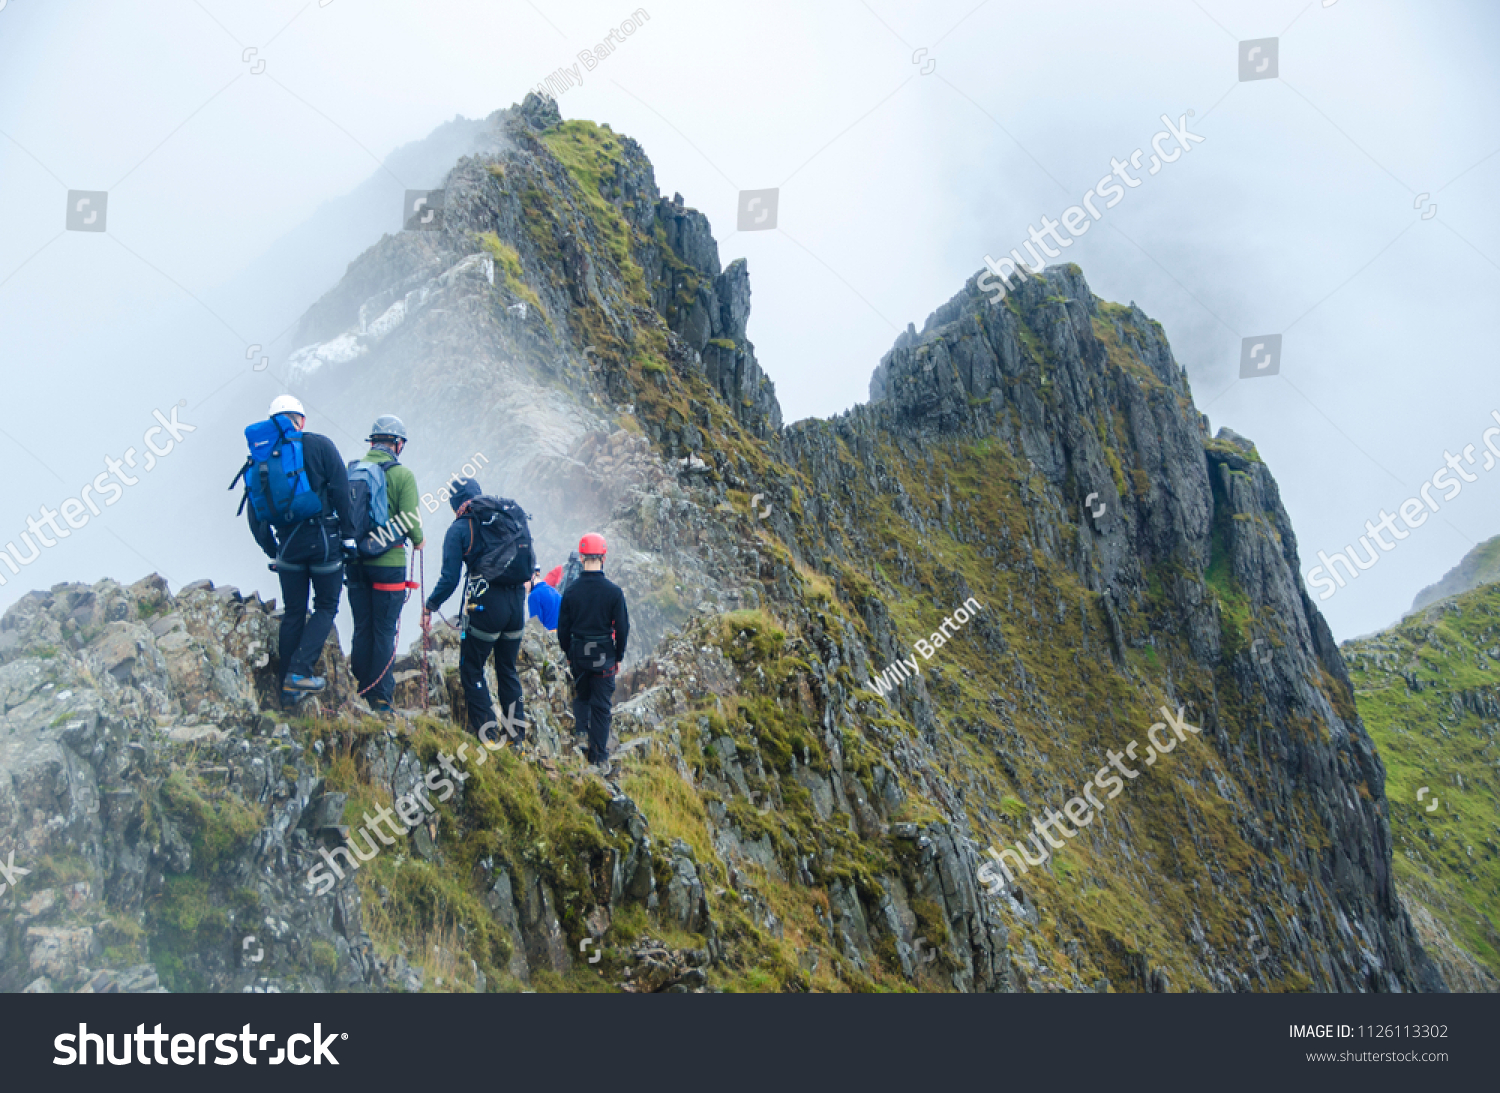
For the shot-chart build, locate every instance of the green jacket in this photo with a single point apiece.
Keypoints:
(401, 493)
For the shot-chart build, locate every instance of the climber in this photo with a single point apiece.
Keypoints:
(542, 600)
(384, 505)
(592, 629)
(490, 538)
(298, 494)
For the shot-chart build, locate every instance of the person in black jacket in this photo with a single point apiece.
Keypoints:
(593, 628)
(308, 557)
(494, 622)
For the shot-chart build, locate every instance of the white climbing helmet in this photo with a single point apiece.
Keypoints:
(286, 404)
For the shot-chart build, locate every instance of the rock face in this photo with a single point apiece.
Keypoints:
(165, 826)
(1145, 536)
(1029, 513)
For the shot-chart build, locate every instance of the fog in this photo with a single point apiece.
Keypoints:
(907, 141)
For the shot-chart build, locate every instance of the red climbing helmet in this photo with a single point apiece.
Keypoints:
(591, 545)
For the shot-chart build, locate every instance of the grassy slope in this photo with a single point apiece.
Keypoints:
(1447, 860)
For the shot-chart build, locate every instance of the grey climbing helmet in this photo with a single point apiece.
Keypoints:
(388, 425)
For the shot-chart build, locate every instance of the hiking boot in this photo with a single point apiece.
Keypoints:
(499, 740)
(307, 684)
(380, 705)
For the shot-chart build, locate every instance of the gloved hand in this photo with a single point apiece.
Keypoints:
(351, 552)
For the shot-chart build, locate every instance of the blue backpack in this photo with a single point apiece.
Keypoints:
(276, 482)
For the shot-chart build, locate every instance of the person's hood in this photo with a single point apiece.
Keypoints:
(464, 490)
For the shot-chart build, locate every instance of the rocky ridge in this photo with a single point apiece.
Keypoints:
(778, 824)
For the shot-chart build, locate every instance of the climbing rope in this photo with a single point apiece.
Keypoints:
(426, 630)
(347, 706)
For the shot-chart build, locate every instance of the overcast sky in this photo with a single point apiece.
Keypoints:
(1301, 213)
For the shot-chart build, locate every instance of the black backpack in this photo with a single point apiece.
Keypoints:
(500, 549)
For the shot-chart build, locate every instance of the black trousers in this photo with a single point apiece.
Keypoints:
(495, 613)
(593, 696)
(302, 637)
(376, 613)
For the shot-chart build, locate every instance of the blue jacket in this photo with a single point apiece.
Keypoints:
(455, 544)
(458, 541)
(543, 604)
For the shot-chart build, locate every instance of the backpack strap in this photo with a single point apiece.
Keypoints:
(245, 496)
(245, 466)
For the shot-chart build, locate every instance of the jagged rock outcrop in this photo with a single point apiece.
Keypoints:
(168, 822)
(1154, 533)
